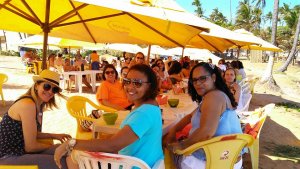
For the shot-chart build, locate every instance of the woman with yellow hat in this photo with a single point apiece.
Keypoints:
(20, 128)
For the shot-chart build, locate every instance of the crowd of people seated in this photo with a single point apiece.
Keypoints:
(214, 88)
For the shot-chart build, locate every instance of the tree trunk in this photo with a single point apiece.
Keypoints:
(4, 34)
(267, 77)
(293, 50)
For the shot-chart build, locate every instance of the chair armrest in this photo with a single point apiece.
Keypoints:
(193, 147)
(199, 145)
(83, 118)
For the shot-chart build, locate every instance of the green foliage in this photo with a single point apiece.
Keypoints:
(218, 18)
(289, 106)
(199, 10)
(248, 16)
(10, 53)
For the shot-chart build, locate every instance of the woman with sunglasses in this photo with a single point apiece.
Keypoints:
(141, 131)
(110, 92)
(213, 117)
(138, 59)
(166, 83)
(20, 128)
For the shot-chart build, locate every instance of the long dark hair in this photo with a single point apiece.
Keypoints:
(162, 62)
(153, 90)
(219, 83)
(175, 68)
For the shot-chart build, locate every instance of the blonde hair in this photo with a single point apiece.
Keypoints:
(32, 92)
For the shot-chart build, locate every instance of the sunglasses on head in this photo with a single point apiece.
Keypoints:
(48, 87)
(135, 82)
(110, 72)
(200, 79)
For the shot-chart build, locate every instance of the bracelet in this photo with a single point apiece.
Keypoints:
(70, 146)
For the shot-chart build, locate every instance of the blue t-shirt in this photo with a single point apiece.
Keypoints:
(146, 123)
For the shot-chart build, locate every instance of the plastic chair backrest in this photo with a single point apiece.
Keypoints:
(3, 79)
(95, 160)
(246, 99)
(252, 84)
(241, 83)
(18, 167)
(76, 106)
(221, 151)
(266, 111)
(256, 129)
(246, 88)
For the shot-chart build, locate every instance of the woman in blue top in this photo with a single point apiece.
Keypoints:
(213, 117)
(141, 132)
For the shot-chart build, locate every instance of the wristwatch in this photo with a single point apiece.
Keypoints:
(71, 144)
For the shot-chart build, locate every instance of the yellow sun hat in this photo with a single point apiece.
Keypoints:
(48, 76)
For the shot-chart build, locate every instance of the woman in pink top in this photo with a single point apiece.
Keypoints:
(110, 93)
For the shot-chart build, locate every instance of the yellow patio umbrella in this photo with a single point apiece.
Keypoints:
(106, 21)
(217, 39)
(264, 45)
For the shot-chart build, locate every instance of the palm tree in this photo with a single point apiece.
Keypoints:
(267, 77)
(248, 17)
(293, 50)
(243, 17)
(260, 3)
(199, 10)
(268, 17)
(217, 17)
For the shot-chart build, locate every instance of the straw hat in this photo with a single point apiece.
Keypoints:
(48, 76)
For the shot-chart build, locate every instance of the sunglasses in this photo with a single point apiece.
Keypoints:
(135, 82)
(200, 79)
(48, 87)
(110, 72)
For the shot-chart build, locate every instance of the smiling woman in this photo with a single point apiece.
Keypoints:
(21, 126)
(213, 117)
(141, 131)
(110, 92)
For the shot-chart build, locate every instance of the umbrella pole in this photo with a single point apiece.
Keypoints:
(148, 55)
(45, 50)
(46, 30)
(238, 52)
(182, 52)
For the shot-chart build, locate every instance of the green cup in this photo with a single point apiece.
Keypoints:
(173, 102)
(110, 118)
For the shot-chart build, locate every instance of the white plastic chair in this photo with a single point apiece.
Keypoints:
(95, 160)
(246, 98)
(246, 88)
(241, 83)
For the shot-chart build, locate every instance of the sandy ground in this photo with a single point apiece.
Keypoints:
(280, 128)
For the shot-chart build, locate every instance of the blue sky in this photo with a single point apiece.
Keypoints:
(224, 6)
